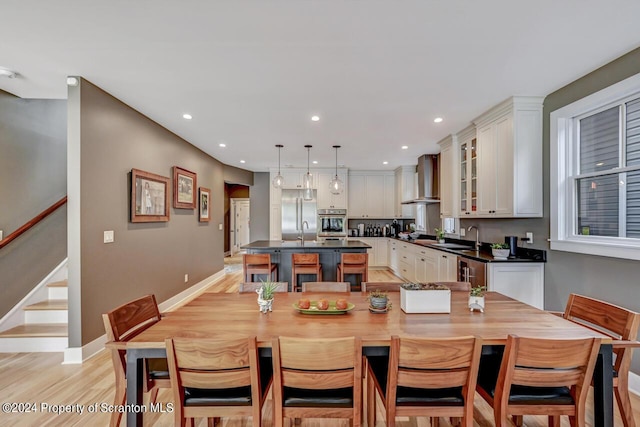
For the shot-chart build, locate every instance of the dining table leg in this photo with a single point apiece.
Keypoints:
(603, 388)
(134, 387)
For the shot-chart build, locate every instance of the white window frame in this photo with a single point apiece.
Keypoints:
(562, 157)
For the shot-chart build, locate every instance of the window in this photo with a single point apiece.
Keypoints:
(595, 173)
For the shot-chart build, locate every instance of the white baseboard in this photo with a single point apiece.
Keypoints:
(16, 315)
(634, 383)
(33, 344)
(74, 355)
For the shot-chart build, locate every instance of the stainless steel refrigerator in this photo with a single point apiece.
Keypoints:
(296, 210)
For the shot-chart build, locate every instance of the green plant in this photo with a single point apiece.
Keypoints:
(378, 294)
(439, 233)
(477, 291)
(499, 246)
(267, 290)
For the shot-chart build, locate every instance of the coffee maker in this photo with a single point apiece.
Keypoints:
(395, 228)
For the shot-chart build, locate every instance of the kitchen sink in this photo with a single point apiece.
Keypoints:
(455, 246)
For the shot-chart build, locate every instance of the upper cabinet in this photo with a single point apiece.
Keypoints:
(326, 199)
(448, 168)
(371, 194)
(499, 163)
(509, 139)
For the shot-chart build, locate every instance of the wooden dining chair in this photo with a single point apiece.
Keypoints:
(425, 377)
(540, 377)
(326, 287)
(380, 286)
(317, 378)
(304, 263)
(354, 263)
(253, 264)
(621, 325)
(214, 378)
(254, 286)
(456, 286)
(121, 324)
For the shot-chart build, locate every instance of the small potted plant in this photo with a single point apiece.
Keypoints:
(378, 299)
(476, 298)
(265, 296)
(500, 250)
(439, 235)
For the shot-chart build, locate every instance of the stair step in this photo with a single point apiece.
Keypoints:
(52, 304)
(37, 330)
(59, 284)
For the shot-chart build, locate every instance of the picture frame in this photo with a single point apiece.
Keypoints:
(184, 188)
(204, 204)
(149, 197)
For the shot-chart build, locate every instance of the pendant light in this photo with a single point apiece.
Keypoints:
(278, 181)
(336, 186)
(307, 180)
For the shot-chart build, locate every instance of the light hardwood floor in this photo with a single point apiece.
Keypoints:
(40, 378)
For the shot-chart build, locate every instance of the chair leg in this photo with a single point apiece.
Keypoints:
(435, 421)
(371, 401)
(517, 420)
(153, 394)
(554, 420)
(624, 405)
(119, 400)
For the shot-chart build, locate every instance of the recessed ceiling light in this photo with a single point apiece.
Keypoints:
(437, 120)
(599, 163)
(404, 147)
(242, 161)
(315, 118)
(187, 116)
(222, 144)
(385, 163)
(4, 72)
(315, 162)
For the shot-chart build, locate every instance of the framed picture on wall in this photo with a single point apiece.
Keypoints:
(184, 188)
(149, 197)
(205, 198)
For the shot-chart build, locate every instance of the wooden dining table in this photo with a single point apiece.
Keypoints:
(230, 315)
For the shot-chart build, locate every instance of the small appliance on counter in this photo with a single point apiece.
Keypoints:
(512, 241)
(361, 230)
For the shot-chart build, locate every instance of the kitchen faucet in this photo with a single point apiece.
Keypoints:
(477, 246)
(301, 237)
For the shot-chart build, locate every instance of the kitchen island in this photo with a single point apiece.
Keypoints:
(329, 252)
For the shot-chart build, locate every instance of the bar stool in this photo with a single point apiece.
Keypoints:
(304, 264)
(354, 264)
(259, 264)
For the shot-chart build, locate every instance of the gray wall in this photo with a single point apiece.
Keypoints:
(145, 258)
(611, 279)
(259, 194)
(33, 138)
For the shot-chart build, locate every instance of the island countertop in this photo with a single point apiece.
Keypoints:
(312, 244)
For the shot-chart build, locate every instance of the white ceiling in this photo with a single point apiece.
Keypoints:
(252, 73)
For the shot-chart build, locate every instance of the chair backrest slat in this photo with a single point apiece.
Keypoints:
(247, 287)
(326, 287)
(381, 286)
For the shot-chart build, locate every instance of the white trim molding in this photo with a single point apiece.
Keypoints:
(75, 355)
(562, 154)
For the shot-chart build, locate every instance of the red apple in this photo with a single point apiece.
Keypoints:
(323, 304)
(342, 304)
(304, 303)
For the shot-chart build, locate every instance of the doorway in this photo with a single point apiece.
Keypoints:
(239, 232)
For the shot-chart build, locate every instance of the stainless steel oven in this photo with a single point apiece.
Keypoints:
(332, 224)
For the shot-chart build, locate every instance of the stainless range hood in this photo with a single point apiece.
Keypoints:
(428, 180)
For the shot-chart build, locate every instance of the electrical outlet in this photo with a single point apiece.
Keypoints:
(186, 278)
(529, 237)
(1, 234)
(108, 236)
(220, 227)
(462, 231)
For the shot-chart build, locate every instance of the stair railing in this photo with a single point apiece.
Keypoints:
(42, 215)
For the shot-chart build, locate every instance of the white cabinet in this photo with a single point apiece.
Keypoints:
(378, 251)
(521, 281)
(326, 199)
(467, 173)
(448, 168)
(371, 195)
(509, 155)
(426, 264)
(392, 247)
(407, 261)
(447, 267)
(405, 190)
(292, 178)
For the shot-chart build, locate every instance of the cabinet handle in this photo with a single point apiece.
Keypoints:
(421, 259)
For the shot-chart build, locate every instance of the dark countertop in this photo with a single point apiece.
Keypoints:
(312, 244)
(484, 255)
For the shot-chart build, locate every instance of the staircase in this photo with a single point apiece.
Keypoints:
(45, 324)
